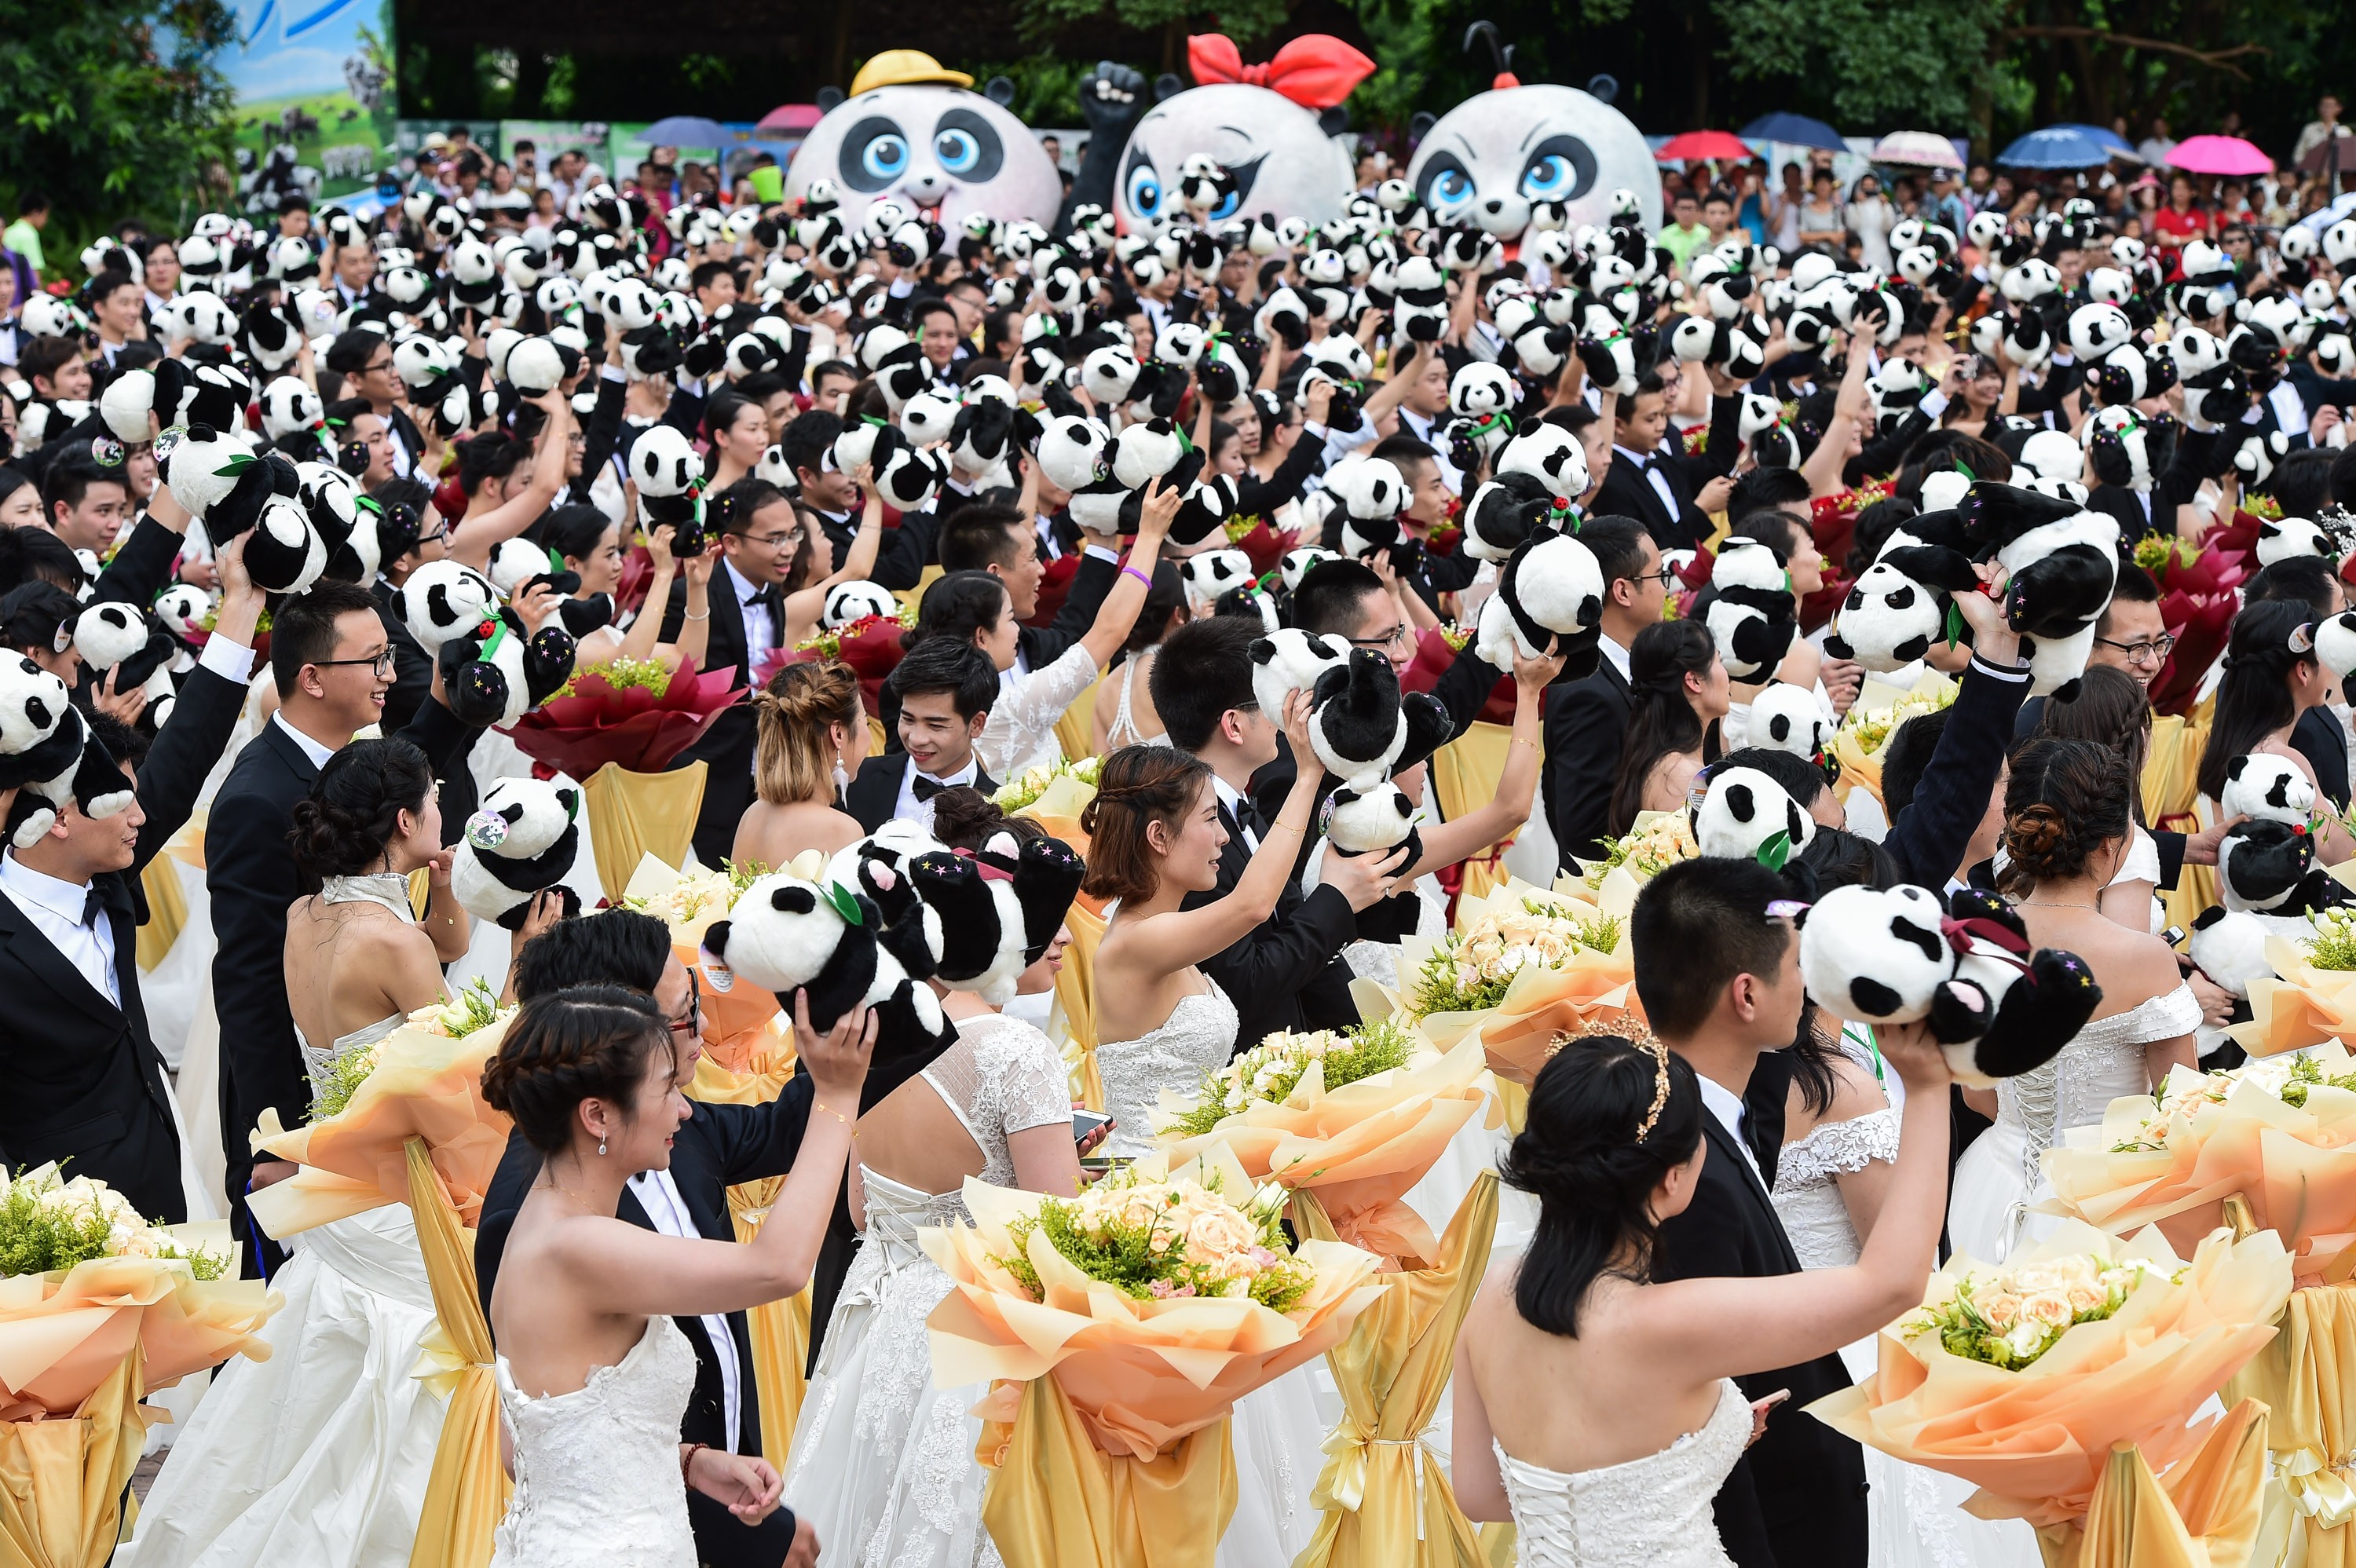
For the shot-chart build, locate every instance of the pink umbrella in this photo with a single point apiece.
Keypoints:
(1695, 145)
(2218, 155)
(790, 119)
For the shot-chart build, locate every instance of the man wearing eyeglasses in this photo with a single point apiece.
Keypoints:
(333, 662)
(1587, 719)
(364, 359)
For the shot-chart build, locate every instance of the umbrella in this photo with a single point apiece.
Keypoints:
(2319, 156)
(2120, 147)
(1923, 149)
(2056, 148)
(2218, 155)
(1795, 129)
(686, 131)
(1695, 145)
(789, 120)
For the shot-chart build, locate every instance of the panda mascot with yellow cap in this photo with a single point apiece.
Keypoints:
(912, 132)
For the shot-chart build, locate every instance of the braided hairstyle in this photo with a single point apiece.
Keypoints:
(1587, 1154)
(793, 718)
(585, 1042)
(2065, 800)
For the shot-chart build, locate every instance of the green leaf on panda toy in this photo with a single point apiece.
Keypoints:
(1954, 624)
(1776, 849)
(845, 902)
(237, 463)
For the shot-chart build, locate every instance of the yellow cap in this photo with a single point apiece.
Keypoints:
(901, 68)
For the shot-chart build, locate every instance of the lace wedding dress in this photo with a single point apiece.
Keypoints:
(882, 1462)
(597, 1482)
(1278, 1430)
(1915, 1516)
(2001, 1176)
(1652, 1513)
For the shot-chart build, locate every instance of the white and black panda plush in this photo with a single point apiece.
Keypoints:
(1550, 597)
(849, 603)
(1362, 728)
(1419, 308)
(2266, 871)
(1000, 908)
(896, 362)
(1506, 511)
(1549, 455)
(183, 608)
(2280, 538)
(1290, 660)
(492, 671)
(523, 841)
(668, 472)
(289, 407)
(517, 565)
(46, 751)
(136, 648)
(1786, 718)
(1888, 621)
(907, 476)
(1749, 608)
(830, 942)
(1075, 452)
(2063, 559)
(1298, 562)
(1211, 573)
(927, 418)
(1876, 955)
(1371, 492)
(2335, 644)
(1744, 812)
(2012, 1006)
(234, 491)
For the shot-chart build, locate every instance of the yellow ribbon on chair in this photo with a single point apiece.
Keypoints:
(65, 1484)
(1384, 1504)
(2206, 1515)
(632, 816)
(1075, 990)
(1054, 1500)
(1464, 774)
(2304, 1375)
(466, 1491)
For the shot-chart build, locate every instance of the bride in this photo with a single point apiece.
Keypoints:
(1598, 1410)
(594, 1375)
(882, 1458)
(1154, 837)
(322, 1458)
(2066, 832)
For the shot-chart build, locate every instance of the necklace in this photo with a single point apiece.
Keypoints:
(2037, 903)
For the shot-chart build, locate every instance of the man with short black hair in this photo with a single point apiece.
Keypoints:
(933, 322)
(830, 495)
(943, 689)
(714, 284)
(830, 381)
(1431, 500)
(118, 310)
(1587, 719)
(364, 359)
(1652, 480)
(84, 502)
(988, 537)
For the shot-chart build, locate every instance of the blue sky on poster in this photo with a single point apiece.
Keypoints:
(293, 46)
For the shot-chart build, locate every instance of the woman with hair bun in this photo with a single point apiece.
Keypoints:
(810, 735)
(1574, 1363)
(1679, 695)
(2067, 830)
(593, 1375)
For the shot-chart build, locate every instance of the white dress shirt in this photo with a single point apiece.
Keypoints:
(760, 626)
(1615, 653)
(1230, 797)
(55, 909)
(311, 749)
(1646, 463)
(1727, 1106)
(908, 808)
(659, 1195)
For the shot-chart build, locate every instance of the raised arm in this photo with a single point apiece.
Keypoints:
(472, 539)
(1518, 786)
(1823, 466)
(1122, 605)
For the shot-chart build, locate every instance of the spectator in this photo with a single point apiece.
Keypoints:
(1869, 217)
(2154, 148)
(24, 236)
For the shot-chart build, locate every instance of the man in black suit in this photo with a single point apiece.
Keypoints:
(1286, 973)
(83, 1081)
(1719, 977)
(332, 663)
(1587, 719)
(364, 360)
(746, 602)
(942, 691)
(1650, 478)
(716, 1147)
(832, 494)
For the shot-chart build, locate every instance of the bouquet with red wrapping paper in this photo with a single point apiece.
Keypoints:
(630, 584)
(2199, 623)
(1266, 546)
(1693, 576)
(639, 728)
(1817, 608)
(870, 646)
(2180, 566)
(1434, 652)
(1054, 587)
(1833, 518)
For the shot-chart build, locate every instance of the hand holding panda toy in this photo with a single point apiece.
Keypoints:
(494, 671)
(521, 843)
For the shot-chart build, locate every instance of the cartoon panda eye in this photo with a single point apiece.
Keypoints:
(967, 147)
(1243, 174)
(1452, 187)
(956, 151)
(874, 154)
(1560, 168)
(885, 157)
(1142, 188)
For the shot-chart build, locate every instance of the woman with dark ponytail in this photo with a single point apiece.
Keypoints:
(2272, 677)
(1678, 692)
(1576, 1360)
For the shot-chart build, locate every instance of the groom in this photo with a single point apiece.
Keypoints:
(1719, 978)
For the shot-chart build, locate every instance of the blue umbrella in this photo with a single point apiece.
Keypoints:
(685, 130)
(1797, 130)
(2055, 148)
(2120, 147)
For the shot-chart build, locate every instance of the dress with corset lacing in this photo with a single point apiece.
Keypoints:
(883, 1462)
(1652, 1513)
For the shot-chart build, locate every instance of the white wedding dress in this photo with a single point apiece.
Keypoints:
(1916, 1519)
(883, 1464)
(598, 1480)
(1280, 1429)
(1652, 1513)
(2002, 1177)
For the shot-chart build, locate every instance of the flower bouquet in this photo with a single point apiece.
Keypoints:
(1264, 545)
(1833, 518)
(1522, 967)
(1118, 1330)
(1865, 731)
(1436, 648)
(2180, 565)
(1357, 1117)
(2199, 623)
(2311, 997)
(1053, 796)
(634, 714)
(2280, 1133)
(2021, 1379)
(1658, 840)
(870, 645)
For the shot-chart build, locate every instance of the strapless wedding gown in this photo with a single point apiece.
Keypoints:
(1278, 1430)
(596, 1470)
(882, 1462)
(1652, 1513)
(2001, 1176)
(319, 1455)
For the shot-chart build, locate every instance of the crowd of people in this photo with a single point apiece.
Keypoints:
(735, 435)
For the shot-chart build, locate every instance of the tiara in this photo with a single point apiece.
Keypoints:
(1644, 1039)
(1660, 1085)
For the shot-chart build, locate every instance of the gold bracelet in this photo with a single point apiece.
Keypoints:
(1524, 740)
(838, 1115)
(1288, 827)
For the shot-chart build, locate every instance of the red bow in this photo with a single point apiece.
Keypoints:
(992, 871)
(1960, 934)
(1316, 70)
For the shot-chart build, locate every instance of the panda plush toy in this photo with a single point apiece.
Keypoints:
(1886, 621)
(1363, 729)
(1788, 718)
(517, 565)
(1550, 596)
(234, 492)
(1749, 608)
(1213, 572)
(48, 752)
(2064, 561)
(1371, 492)
(787, 935)
(137, 649)
(2266, 875)
(1746, 815)
(907, 475)
(1000, 906)
(1507, 511)
(668, 472)
(2280, 538)
(493, 671)
(1075, 452)
(1291, 660)
(855, 600)
(521, 843)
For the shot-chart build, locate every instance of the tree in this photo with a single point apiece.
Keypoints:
(113, 108)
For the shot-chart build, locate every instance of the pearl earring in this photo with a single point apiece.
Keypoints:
(600, 1146)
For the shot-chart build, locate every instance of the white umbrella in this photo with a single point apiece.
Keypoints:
(1924, 148)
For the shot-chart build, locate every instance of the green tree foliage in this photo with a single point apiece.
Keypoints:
(114, 108)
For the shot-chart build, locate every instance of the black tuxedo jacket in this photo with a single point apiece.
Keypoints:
(1796, 1497)
(1586, 731)
(727, 746)
(1626, 493)
(904, 552)
(81, 1079)
(1928, 839)
(875, 788)
(1286, 973)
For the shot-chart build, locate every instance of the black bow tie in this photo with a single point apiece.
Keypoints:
(1248, 818)
(923, 786)
(93, 905)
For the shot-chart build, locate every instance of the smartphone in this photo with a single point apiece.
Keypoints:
(1086, 1123)
(2172, 935)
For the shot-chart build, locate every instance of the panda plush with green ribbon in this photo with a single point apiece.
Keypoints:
(523, 842)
